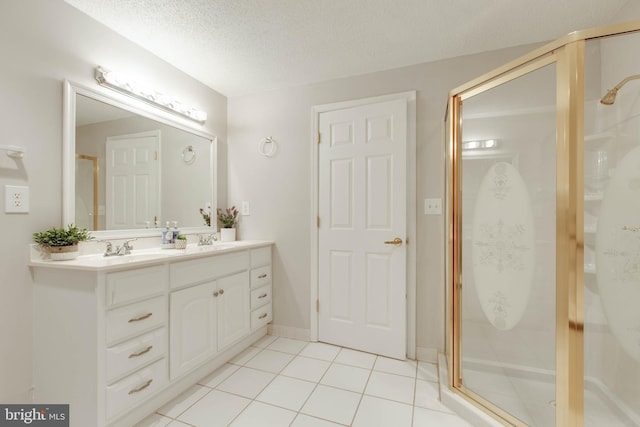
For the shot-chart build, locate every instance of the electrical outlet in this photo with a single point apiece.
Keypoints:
(433, 206)
(16, 199)
(245, 209)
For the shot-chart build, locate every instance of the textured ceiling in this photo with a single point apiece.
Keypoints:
(245, 46)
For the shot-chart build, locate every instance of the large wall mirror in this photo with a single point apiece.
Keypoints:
(129, 169)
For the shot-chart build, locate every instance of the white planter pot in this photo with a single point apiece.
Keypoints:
(227, 234)
(63, 253)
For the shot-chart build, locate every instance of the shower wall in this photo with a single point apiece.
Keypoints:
(611, 133)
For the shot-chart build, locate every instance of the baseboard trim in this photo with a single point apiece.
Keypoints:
(289, 332)
(425, 354)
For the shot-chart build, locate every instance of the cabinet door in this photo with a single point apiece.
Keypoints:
(233, 308)
(193, 329)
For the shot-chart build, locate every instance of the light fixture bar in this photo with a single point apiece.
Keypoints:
(482, 144)
(116, 81)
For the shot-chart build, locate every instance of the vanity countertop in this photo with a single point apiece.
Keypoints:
(143, 257)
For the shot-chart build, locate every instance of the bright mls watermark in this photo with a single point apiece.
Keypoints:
(34, 415)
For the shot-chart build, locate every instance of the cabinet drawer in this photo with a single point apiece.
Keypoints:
(261, 316)
(130, 285)
(135, 388)
(260, 256)
(132, 354)
(260, 296)
(135, 318)
(203, 269)
(260, 276)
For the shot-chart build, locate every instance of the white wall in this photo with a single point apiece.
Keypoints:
(42, 42)
(278, 188)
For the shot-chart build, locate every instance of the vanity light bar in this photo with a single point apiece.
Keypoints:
(116, 81)
(480, 144)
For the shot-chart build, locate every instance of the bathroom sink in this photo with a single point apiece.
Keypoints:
(220, 246)
(134, 256)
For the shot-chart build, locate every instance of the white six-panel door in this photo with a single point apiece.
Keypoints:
(362, 209)
(132, 180)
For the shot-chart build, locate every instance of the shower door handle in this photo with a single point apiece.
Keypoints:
(395, 242)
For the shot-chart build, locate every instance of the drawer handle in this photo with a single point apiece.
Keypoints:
(146, 350)
(137, 319)
(262, 316)
(262, 276)
(142, 387)
(263, 296)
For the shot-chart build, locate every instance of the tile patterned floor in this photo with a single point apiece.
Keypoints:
(290, 383)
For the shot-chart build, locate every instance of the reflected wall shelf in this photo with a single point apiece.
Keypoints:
(13, 151)
(599, 137)
(593, 197)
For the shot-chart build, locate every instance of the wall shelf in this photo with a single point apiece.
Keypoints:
(13, 151)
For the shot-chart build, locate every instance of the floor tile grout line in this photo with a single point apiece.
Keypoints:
(209, 390)
(364, 390)
(415, 394)
(276, 375)
(317, 383)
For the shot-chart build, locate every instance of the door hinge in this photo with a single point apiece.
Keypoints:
(319, 138)
(318, 221)
(317, 306)
(155, 155)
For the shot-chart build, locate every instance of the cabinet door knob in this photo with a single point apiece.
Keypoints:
(221, 291)
(215, 293)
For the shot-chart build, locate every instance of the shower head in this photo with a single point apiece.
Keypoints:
(610, 97)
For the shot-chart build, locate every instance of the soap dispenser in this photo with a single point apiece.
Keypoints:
(167, 238)
(175, 230)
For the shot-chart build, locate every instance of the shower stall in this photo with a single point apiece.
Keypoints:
(543, 227)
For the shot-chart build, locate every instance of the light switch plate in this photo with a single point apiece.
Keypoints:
(16, 199)
(433, 206)
(245, 208)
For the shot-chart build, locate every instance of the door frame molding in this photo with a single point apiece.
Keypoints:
(410, 98)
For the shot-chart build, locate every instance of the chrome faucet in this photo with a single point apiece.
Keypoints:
(207, 240)
(125, 249)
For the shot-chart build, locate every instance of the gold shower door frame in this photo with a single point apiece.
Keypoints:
(568, 55)
(94, 161)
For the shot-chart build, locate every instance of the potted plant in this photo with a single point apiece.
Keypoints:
(181, 241)
(228, 219)
(61, 243)
(206, 216)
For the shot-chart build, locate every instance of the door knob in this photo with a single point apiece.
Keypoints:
(395, 242)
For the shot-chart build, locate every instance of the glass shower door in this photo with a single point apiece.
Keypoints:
(612, 232)
(508, 195)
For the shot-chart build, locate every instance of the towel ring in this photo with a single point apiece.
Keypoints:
(189, 155)
(268, 146)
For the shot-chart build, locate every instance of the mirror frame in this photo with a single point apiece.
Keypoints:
(71, 89)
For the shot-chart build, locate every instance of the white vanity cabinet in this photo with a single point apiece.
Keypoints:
(193, 327)
(261, 312)
(119, 340)
(210, 310)
(135, 336)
